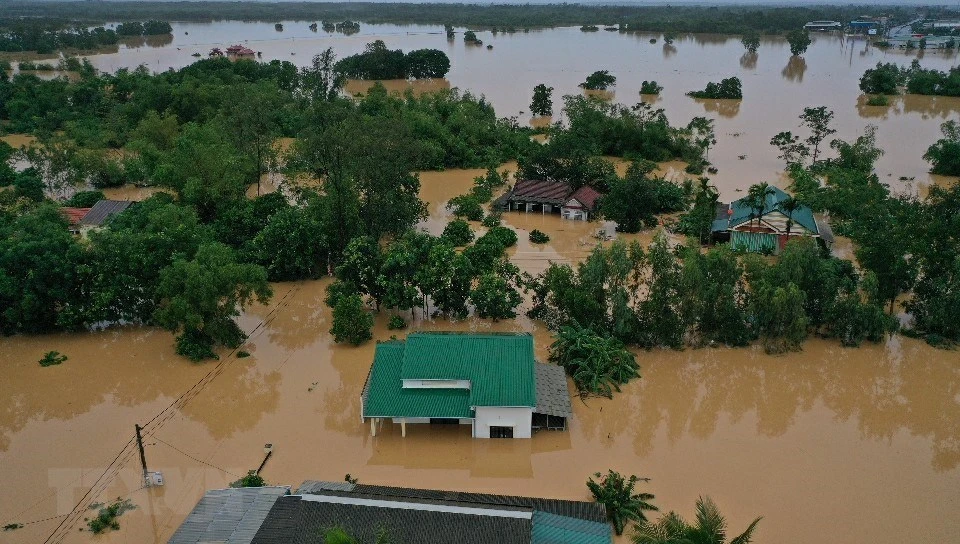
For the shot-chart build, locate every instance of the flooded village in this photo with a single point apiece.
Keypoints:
(841, 444)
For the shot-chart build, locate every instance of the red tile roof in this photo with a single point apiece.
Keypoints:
(74, 215)
(541, 190)
(587, 196)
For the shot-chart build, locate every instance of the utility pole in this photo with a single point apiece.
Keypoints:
(143, 457)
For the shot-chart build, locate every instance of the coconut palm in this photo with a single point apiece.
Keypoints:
(709, 528)
(788, 206)
(616, 493)
(757, 199)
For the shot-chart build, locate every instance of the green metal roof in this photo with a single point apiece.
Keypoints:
(554, 529)
(742, 211)
(500, 367)
(387, 398)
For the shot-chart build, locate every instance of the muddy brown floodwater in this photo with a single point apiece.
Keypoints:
(850, 445)
(833, 444)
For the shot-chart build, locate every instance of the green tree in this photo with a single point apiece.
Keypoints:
(701, 130)
(321, 82)
(757, 199)
(351, 321)
(598, 364)
(779, 315)
(494, 297)
(712, 295)
(799, 41)
(634, 200)
(251, 119)
(427, 63)
(361, 266)
(944, 155)
(199, 299)
(542, 103)
(458, 233)
(883, 79)
(729, 88)
(600, 80)
(698, 221)
(751, 41)
(291, 246)
(710, 527)
(660, 321)
(818, 121)
(792, 151)
(617, 494)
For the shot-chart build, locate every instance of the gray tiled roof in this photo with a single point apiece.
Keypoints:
(553, 394)
(230, 516)
(315, 486)
(103, 210)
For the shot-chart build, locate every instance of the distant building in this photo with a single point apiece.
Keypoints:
(83, 220)
(823, 25)
(235, 52)
(73, 217)
(488, 381)
(767, 230)
(551, 197)
(271, 515)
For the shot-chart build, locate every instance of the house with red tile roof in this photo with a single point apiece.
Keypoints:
(551, 197)
(74, 216)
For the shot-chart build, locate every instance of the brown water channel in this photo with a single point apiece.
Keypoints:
(840, 445)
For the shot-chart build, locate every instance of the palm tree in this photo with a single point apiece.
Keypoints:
(757, 199)
(616, 493)
(788, 206)
(710, 528)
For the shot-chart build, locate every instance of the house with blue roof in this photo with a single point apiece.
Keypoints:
(488, 381)
(768, 229)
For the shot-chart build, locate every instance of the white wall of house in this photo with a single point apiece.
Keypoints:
(519, 418)
(436, 384)
(425, 420)
(575, 214)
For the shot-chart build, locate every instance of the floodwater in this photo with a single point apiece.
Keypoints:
(806, 440)
(776, 87)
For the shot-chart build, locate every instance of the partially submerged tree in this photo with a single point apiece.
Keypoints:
(600, 80)
(799, 41)
(542, 103)
(617, 494)
(710, 527)
(751, 41)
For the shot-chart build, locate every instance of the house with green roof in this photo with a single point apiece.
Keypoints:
(767, 229)
(488, 381)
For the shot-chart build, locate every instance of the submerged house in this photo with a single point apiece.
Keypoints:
(488, 381)
(83, 220)
(551, 197)
(273, 515)
(769, 229)
(235, 52)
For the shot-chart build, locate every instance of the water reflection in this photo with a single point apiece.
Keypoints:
(934, 108)
(669, 50)
(723, 107)
(795, 69)
(748, 61)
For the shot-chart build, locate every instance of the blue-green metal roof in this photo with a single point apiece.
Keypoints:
(500, 367)
(554, 529)
(386, 396)
(743, 213)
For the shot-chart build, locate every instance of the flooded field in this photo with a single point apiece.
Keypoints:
(817, 442)
(776, 87)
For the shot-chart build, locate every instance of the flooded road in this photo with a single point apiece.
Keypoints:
(776, 87)
(818, 442)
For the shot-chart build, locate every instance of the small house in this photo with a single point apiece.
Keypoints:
(490, 382)
(551, 197)
(235, 52)
(767, 230)
(74, 216)
(101, 212)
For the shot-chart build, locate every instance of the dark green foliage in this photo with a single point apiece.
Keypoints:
(883, 79)
(12, 526)
(713, 298)
(944, 155)
(107, 517)
(495, 297)
(493, 219)
(466, 206)
(291, 246)
(505, 236)
(457, 233)
(542, 102)
(799, 41)
(634, 200)
(698, 222)
(378, 62)
(538, 237)
(470, 38)
(617, 494)
(84, 199)
(729, 88)
(251, 479)
(600, 80)
(351, 321)
(650, 87)
(709, 528)
(751, 41)
(243, 354)
(396, 323)
(52, 358)
(598, 364)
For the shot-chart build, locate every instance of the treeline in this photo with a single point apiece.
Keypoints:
(378, 62)
(887, 78)
(48, 35)
(189, 260)
(729, 19)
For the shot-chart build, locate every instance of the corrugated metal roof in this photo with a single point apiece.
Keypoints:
(317, 486)
(587, 196)
(103, 210)
(74, 215)
(553, 529)
(530, 190)
(742, 211)
(386, 396)
(231, 516)
(553, 392)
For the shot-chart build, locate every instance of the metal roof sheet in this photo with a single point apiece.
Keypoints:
(386, 397)
(231, 516)
(553, 391)
(742, 212)
(498, 366)
(103, 210)
(553, 529)
(531, 190)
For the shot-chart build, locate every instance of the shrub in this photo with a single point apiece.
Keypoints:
(243, 354)
(506, 236)
(458, 233)
(351, 321)
(597, 364)
(492, 220)
(539, 237)
(466, 206)
(252, 479)
(52, 358)
(650, 87)
(727, 88)
(396, 323)
(107, 517)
